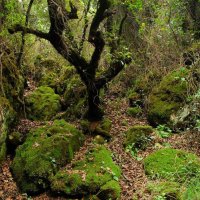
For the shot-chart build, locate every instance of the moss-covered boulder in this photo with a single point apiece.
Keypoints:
(42, 104)
(95, 174)
(167, 98)
(58, 80)
(172, 165)
(11, 92)
(45, 150)
(7, 119)
(138, 136)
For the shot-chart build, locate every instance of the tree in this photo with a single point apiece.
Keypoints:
(59, 37)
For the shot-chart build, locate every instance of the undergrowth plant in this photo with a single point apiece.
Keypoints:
(163, 131)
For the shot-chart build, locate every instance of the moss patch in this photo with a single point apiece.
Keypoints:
(96, 174)
(172, 164)
(193, 190)
(43, 104)
(165, 189)
(45, 150)
(138, 136)
(166, 98)
(134, 111)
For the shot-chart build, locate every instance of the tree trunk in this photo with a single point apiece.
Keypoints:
(94, 113)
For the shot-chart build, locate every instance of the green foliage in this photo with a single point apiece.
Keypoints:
(134, 5)
(163, 131)
(43, 103)
(95, 174)
(172, 165)
(45, 150)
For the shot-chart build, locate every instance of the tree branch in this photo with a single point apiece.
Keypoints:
(85, 26)
(19, 59)
(96, 37)
(20, 28)
(111, 72)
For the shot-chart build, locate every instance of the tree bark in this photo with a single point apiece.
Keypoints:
(94, 113)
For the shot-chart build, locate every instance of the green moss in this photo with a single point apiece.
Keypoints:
(172, 164)
(14, 139)
(43, 104)
(166, 189)
(12, 82)
(99, 139)
(168, 97)
(45, 150)
(90, 175)
(193, 190)
(138, 136)
(110, 190)
(58, 80)
(135, 111)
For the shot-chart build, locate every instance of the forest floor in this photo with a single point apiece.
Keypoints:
(133, 180)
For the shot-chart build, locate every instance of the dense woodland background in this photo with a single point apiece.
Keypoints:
(100, 99)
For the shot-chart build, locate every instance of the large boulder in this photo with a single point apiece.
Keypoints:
(45, 150)
(188, 117)
(43, 104)
(95, 174)
(138, 136)
(169, 96)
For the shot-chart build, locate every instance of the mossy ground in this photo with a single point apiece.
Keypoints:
(175, 174)
(45, 150)
(43, 104)
(172, 164)
(96, 174)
